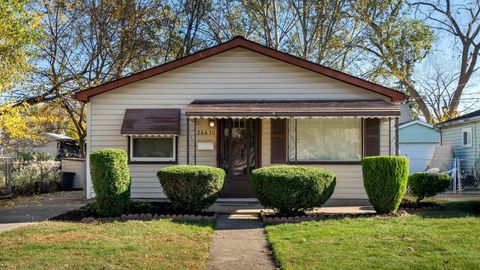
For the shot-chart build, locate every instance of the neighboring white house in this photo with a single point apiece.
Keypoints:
(56, 146)
(240, 106)
(417, 141)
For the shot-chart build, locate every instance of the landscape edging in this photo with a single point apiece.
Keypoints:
(267, 218)
(149, 216)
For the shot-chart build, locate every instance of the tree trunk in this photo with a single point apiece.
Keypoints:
(453, 108)
(81, 142)
(418, 100)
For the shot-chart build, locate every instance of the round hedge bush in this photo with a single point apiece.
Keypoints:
(111, 181)
(191, 188)
(424, 184)
(292, 189)
(385, 180)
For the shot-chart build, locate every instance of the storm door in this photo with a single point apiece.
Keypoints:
(238, 155)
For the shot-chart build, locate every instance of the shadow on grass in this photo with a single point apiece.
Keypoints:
(451, 210)
(454, 210)
(197, 223)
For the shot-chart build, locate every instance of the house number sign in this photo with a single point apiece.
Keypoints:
(205, 132)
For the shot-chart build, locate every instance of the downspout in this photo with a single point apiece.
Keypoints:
(441, 136)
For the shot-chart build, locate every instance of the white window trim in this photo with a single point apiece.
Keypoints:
(468, 130)
(154, 159)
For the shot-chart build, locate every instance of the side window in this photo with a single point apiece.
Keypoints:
(467, 137)
(156, 149)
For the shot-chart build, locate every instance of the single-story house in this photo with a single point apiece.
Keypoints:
(240, 106)
(463, 134)
(417, 141)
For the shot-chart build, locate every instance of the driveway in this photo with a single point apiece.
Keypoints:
(26, 210)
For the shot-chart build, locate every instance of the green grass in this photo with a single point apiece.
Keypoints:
(160, 244)
(447, 239)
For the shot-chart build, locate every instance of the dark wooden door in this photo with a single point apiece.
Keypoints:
(238, 155)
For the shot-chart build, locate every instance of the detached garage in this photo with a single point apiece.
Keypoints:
(417, 141)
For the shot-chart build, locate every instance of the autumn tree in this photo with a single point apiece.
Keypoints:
(20, 125)
(17, 30)
(438, 85)
(462, 23)
(87, 43)
(225, 20)
(395, 42)
(19, 122)
(319, 31)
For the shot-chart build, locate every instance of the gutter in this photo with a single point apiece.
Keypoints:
(457, 122)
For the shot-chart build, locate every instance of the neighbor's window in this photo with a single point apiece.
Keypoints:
(152, 149)
(467, 137)
(326, 140)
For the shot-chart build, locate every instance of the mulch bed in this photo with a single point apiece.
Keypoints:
(154, 210)
(411, 206)
(406, 207)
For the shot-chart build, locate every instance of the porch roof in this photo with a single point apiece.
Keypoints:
(291, 108)
(151, 122)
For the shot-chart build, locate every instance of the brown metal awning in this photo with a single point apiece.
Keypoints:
(291, 108)
(153, 122)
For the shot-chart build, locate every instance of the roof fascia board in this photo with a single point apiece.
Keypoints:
(404, 125)
(458, 122)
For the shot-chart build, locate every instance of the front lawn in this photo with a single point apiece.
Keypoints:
(159, 244)
(447, 239)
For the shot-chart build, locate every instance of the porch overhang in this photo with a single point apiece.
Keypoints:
(219, 109)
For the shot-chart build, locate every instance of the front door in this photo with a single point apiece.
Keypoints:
(238, 155)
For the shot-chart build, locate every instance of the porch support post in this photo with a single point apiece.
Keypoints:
(389, 136)
(396, 137)
(195, 141)
(188, 141)
(296, 144)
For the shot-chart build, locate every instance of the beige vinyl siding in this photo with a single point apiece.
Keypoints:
(453, 135)
(387, 139)
(236, 74)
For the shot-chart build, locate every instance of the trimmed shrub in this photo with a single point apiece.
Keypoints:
(111, 181)
(292, 189)
(191, 188)
(385, 180)
(424, 184)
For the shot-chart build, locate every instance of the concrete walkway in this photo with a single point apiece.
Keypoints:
(240, 243)
(255, 208)
(27, 210)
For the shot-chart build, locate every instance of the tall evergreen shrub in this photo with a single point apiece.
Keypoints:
(111, 181)
(385, 179)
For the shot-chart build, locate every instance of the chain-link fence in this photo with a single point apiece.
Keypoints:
(28, 177)
(465, 173)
